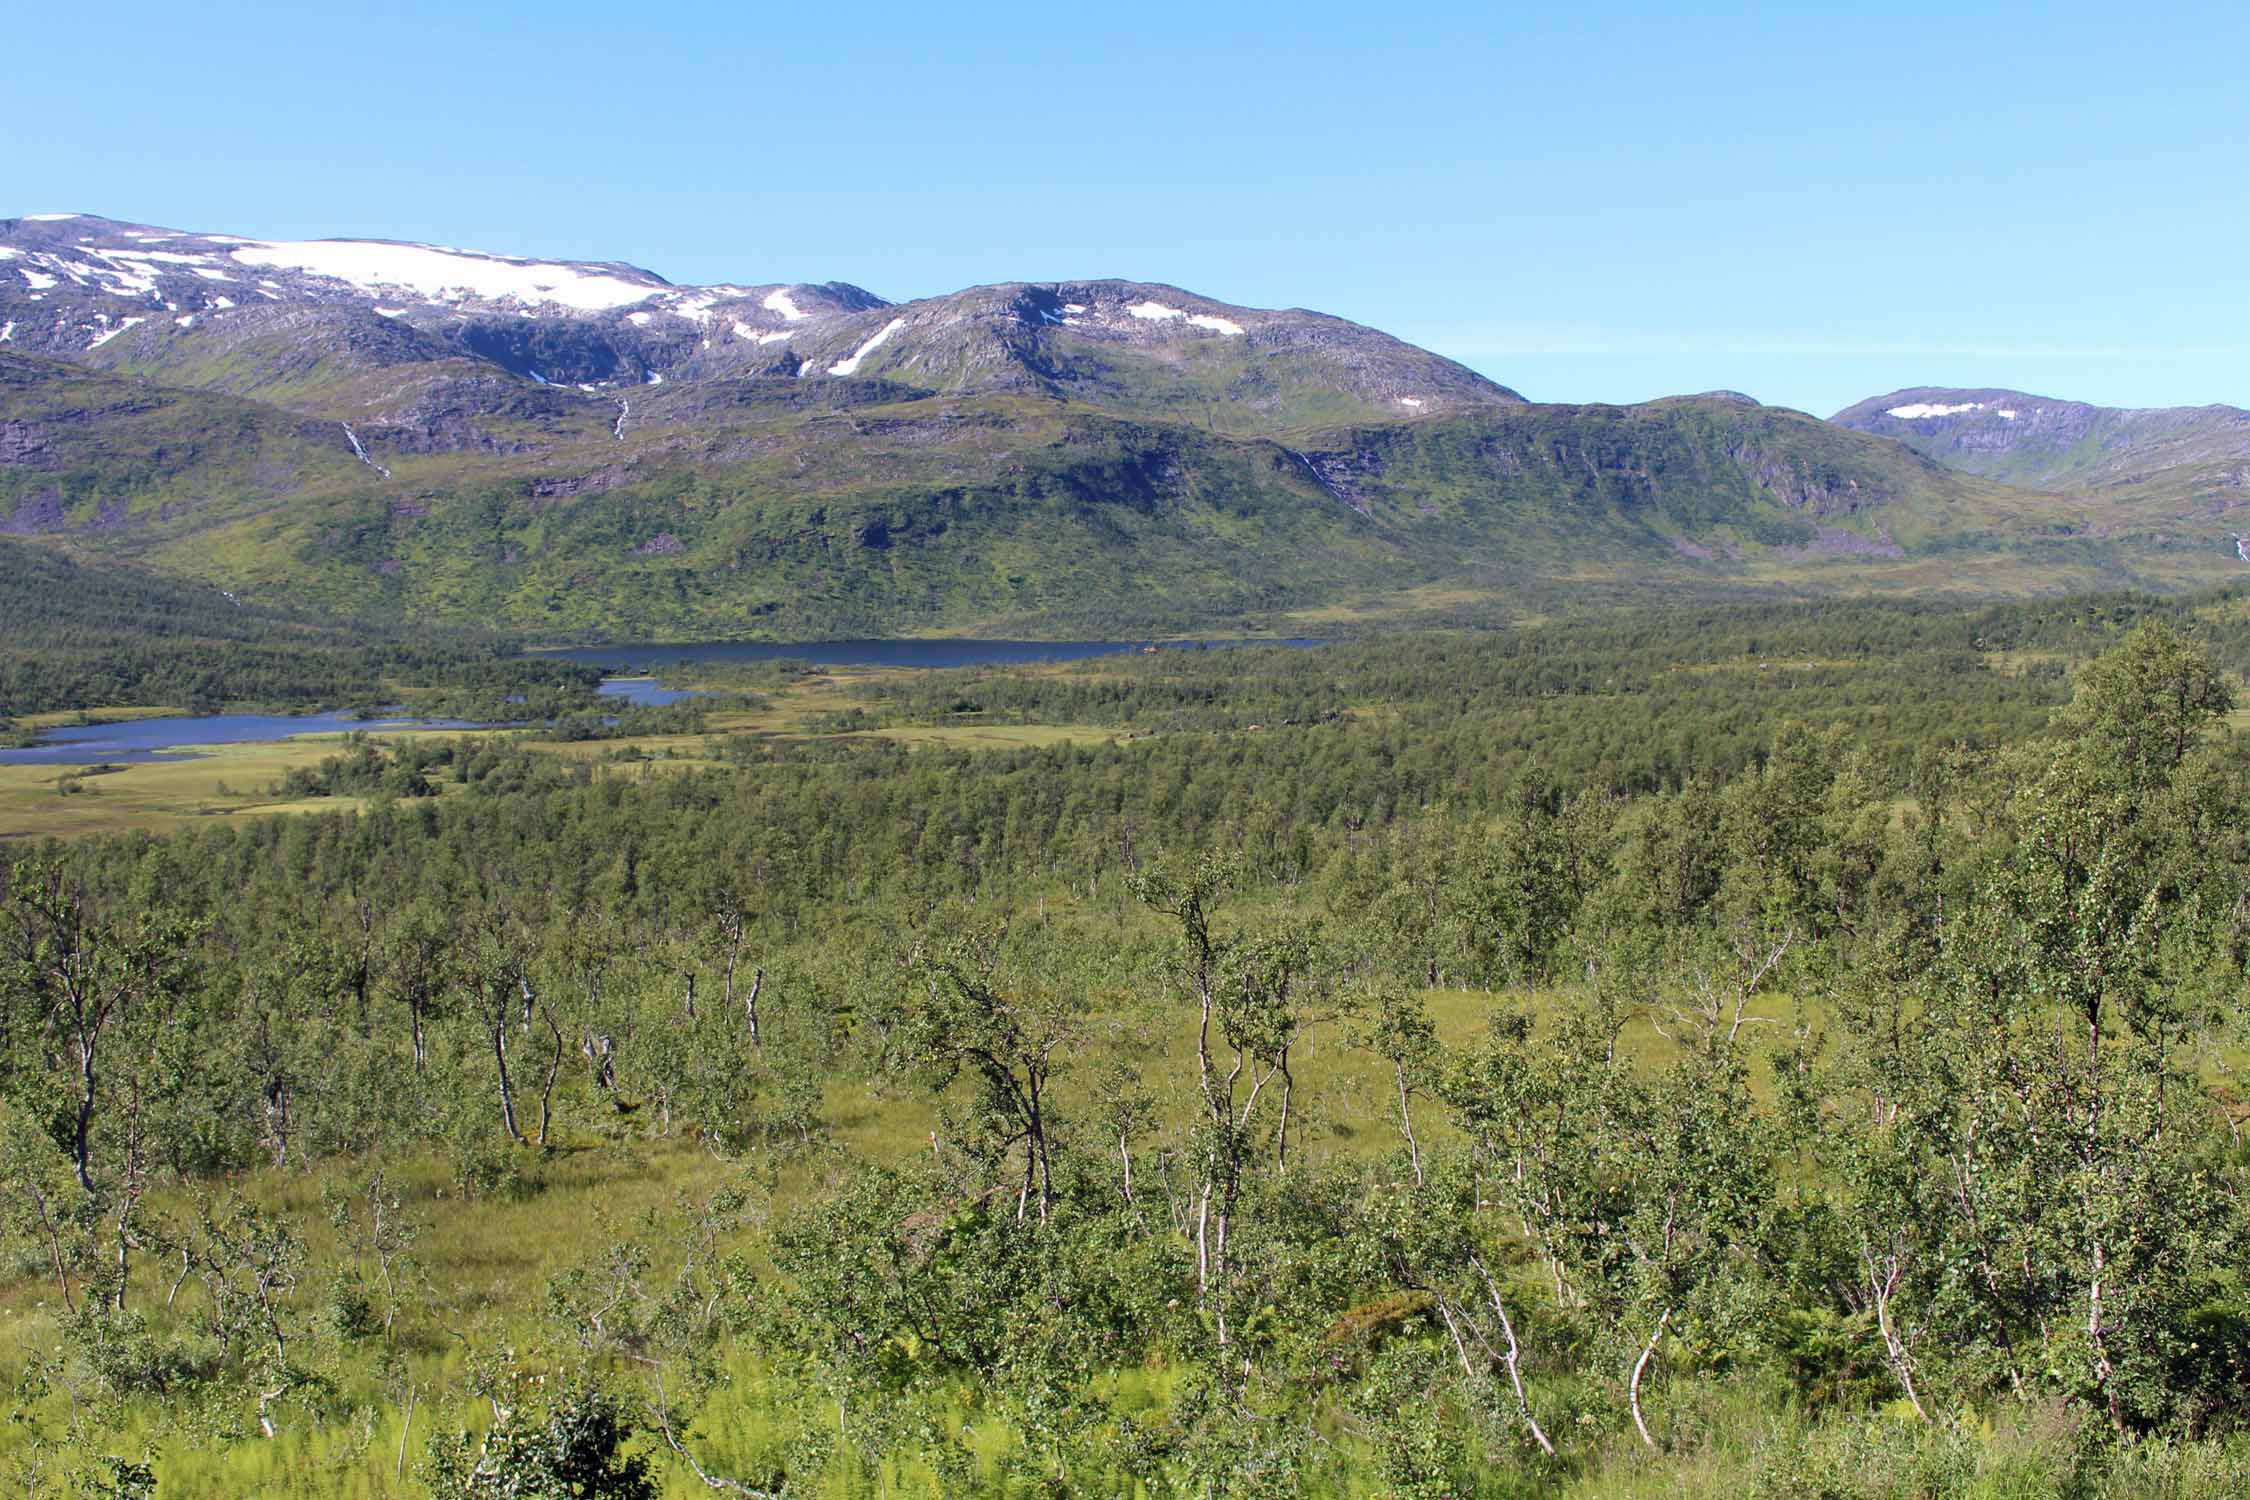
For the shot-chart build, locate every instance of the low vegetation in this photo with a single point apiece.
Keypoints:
(1762, 1051)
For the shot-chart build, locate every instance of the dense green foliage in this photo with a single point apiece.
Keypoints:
(94, 635)
(1568, 1057)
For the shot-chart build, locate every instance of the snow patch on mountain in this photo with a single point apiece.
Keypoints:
(1923, 411)
(127, 280)
(1158, 312)
(851, 366)
(108, 334)
(449, 275)
(746, 331)
(779, 301)
(166, 257)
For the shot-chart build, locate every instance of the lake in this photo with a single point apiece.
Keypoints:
(136, 741)
(140, 740)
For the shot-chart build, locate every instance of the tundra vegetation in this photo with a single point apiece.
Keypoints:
(1756, 1051)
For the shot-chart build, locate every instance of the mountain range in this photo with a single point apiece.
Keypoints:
(583, 449)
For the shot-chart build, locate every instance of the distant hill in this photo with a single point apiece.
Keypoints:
(2191, 451)
(583, 449)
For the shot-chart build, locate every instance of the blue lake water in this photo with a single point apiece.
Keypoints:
(645, 692)
(141, 740)
(646, 656)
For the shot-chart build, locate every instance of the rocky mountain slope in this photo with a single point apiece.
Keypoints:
(346, 327)
(2068, 445)
(585, 449)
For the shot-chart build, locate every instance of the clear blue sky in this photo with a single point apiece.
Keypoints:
(1810, 203)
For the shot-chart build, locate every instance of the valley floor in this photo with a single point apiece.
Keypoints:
(1661, 1039)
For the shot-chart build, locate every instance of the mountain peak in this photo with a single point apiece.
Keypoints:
(258, 316)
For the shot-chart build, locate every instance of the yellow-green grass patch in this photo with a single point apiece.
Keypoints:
(215, 780)
(63, 718)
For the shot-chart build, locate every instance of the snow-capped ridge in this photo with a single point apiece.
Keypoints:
(445, 275)
(601, 326)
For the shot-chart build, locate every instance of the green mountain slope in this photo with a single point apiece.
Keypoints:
(770, 507)
(583, 449)
(89, 453)
(85, 633)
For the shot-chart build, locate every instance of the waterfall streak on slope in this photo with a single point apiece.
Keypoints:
(353, 437)
(1322, 480)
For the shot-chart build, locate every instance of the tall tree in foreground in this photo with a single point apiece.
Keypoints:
(1002, 1007)
(1252, 994)
(76, 977)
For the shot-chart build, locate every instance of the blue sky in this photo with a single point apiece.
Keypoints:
(1600, 202)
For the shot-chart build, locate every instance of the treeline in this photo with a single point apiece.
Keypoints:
(86, 635)
(1630, 701)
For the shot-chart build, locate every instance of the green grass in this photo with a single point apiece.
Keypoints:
(483, 1262)
(230, 780)
(219, 781)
